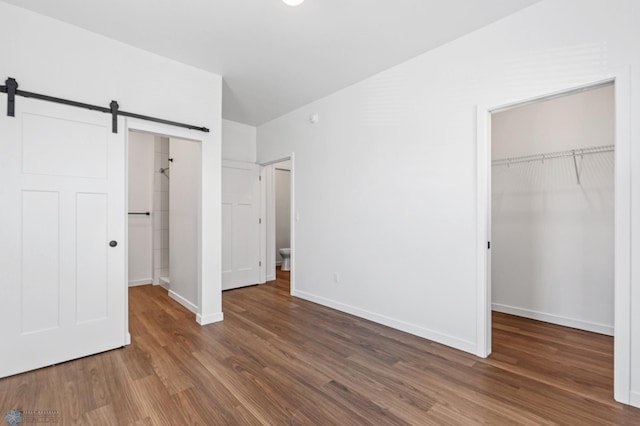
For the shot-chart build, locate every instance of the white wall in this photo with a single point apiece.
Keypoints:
(397, 153)
(552, 239)
(238, 142)
(184, 187)
(282, 173)
(582, 120)
(50, 57)
(140, 250)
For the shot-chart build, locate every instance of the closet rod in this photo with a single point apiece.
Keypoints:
(11, 89)
(541, 157)
(144, 213)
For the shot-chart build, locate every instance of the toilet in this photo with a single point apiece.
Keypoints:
(286, 255)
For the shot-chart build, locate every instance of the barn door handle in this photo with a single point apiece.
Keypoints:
(113, 243)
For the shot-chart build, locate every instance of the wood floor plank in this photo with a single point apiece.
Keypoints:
(277, 360)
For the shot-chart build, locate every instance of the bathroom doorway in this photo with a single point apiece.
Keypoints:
(141, 183)
(164, 182)
(279, 233)
(282, 183)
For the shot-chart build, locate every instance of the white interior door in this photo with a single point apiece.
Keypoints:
(62, 187)
(240, 224)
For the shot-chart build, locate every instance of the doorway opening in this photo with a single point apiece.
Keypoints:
(279, 240)
(163, 214)
(165, 222)
(148, 216)
(282, 188)
(620, 216)
(552, 210)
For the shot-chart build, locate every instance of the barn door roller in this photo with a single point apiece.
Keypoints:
(11, 89)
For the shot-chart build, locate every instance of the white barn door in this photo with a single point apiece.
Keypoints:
(240, 224)
(62, 190)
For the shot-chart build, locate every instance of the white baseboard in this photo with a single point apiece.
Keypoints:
(210, 318)
(634, 399)
(127, 339)
(417, 330)
(134, 283)
(555, 319)
(164, 282)
(184, 302)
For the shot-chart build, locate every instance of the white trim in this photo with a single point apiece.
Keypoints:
(483, 206)
(242, 165)
(635, 399)
(270, 277)
(209, 281)
(164, 282)
(293, 218)
(272, 162)
(622, 232)
(263, 278)
(144, 281)
(126, 233)
(184, 302)
(622, 238)
(209, 319)
(445, 339)
(555, 319)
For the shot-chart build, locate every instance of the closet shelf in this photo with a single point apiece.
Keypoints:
(559, 154)
(541, 157)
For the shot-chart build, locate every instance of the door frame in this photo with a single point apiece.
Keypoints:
(622, 228)
(268, 212)
(209, 248)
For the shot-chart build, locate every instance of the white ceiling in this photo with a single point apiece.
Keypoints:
(275, 58)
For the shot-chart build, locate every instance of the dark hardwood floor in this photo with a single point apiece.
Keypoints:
(281, 360)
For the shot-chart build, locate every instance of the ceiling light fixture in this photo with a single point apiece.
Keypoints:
(293, 2)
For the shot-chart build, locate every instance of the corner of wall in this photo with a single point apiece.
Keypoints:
(635, 399)
(209, 319)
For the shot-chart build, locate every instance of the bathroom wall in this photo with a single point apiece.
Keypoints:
(282, 175)
(552, 238)
(386, 183)
(140, 251)
(161, 211)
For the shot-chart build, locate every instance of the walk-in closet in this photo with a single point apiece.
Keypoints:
(552, 210)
